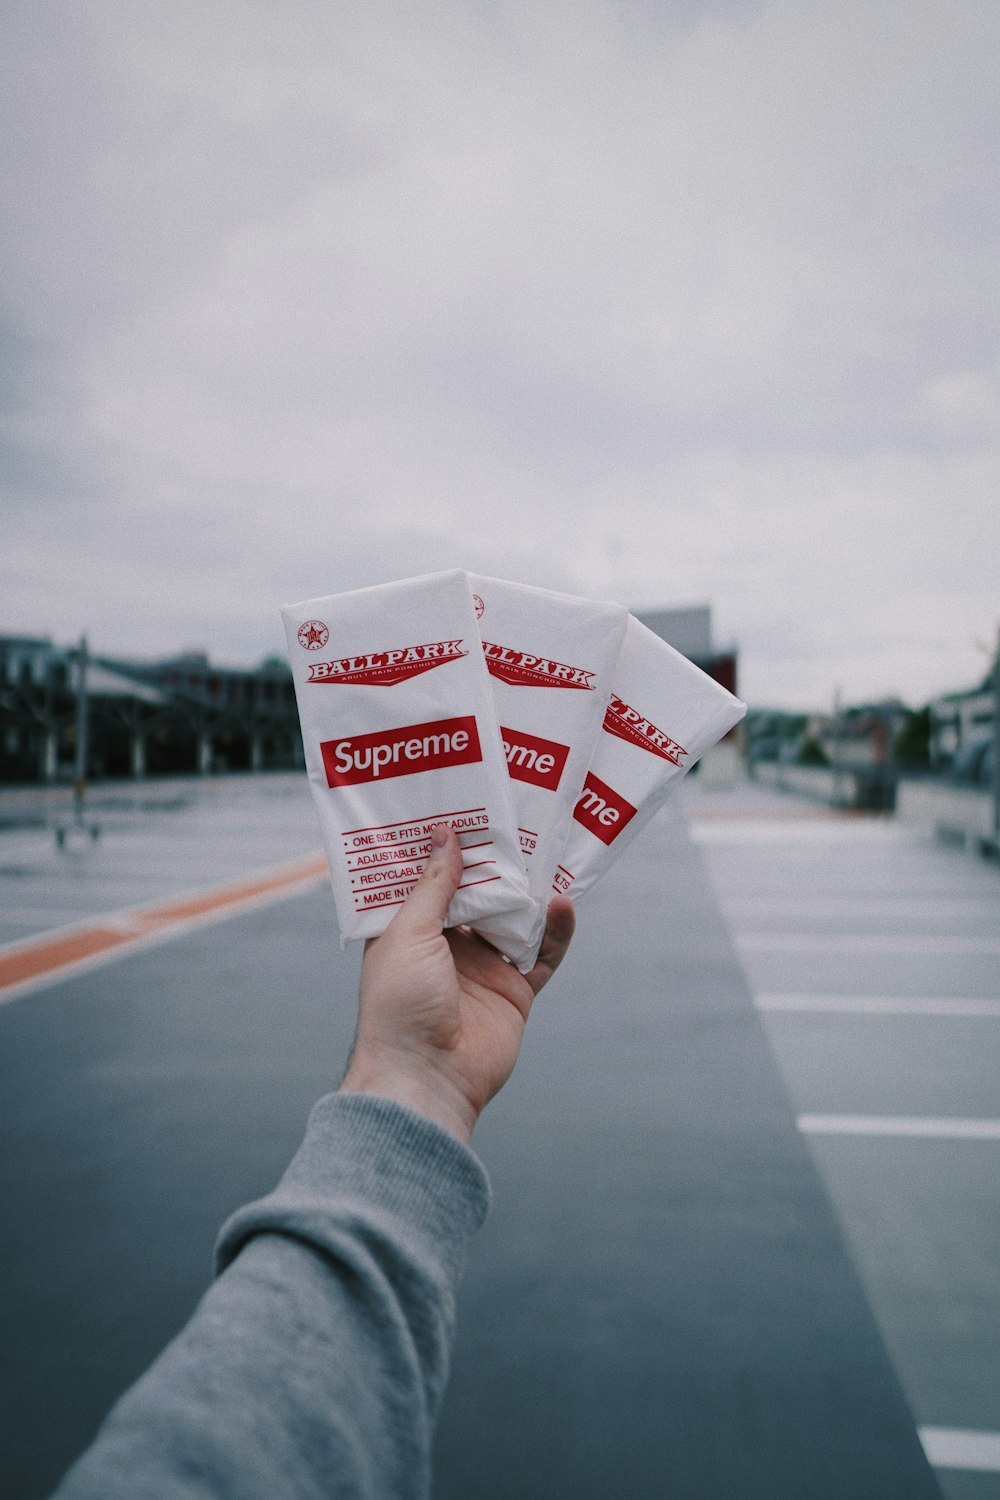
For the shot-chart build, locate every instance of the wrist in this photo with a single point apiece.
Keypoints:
(424, 1091)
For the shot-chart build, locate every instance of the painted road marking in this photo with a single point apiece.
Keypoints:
(866, 908)
(961, 1448)
(797, 831)
(771, 814)
(862, 942)
(48, 958)
(876, 1005)
(928, 1127)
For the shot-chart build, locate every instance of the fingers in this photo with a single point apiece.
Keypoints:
(426, 907)
(425, 911)
(559, 929)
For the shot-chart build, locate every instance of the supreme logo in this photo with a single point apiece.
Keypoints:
(628, 724)
(601, 810)
(386, 668)
(532, 759)
(523, 670)
(401, 752)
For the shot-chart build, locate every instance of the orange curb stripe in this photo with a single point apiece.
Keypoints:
(56, 953)
(53, 951)
(196, 906)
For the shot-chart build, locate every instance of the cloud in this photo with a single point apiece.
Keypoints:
(661, 302)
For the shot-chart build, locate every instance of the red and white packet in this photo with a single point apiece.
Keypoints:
(551, 659)
(400, 733)
(662, 716)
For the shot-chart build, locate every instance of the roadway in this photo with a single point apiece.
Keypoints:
(873, 954)
(688, 1286)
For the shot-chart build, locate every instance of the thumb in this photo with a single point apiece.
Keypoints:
(425, 909)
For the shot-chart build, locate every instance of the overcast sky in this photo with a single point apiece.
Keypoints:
(664, 301)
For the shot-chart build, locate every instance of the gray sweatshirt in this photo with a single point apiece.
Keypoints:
(316, 1363)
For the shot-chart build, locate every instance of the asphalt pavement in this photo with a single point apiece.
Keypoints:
(873, 954)
(690, 1285)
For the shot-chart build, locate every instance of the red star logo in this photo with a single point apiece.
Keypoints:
(313, 634)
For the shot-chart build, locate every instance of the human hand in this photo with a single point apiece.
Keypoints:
(441, 1014)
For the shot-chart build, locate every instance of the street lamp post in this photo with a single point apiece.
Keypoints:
(82, 729)
(838, 751)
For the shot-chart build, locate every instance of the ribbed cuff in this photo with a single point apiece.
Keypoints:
(366, 1155)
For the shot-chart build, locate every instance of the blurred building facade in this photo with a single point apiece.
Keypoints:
(689, 630)
(962, 723)
(182, 714)
(171, 715)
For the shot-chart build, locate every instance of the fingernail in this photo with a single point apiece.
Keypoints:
(439, 836)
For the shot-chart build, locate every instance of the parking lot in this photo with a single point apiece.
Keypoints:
(746, 1226)
(874, 958)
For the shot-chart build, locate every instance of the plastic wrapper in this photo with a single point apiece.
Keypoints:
(661, 717)
(551, 658)
(400, 733)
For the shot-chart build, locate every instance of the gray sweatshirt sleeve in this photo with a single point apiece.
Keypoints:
(315, 1364)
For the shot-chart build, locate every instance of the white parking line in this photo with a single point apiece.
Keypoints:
(929, 1127)
(863, 942)
(865, 908)
(877, 1005)
(804, 831)
(961, 1448)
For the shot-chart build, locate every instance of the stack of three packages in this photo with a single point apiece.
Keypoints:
(546, 730)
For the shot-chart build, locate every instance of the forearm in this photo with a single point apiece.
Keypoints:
(316, 1363)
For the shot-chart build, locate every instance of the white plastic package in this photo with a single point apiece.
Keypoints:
(662, 716)
(400, 733)
(551, 659)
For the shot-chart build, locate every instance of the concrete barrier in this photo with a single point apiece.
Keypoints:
(958, 814)
(962, 815)
(818, 783)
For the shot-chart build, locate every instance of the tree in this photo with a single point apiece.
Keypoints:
(913, 743)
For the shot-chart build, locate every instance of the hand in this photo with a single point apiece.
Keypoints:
(441, 1014)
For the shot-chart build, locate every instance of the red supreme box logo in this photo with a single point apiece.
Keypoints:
(401, 752)
(601, 810)
(530, 758)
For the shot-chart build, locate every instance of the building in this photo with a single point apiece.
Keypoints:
(182, 714)
(960, 721)
(221, 718)
(173, 715)
(26, 660)
(36, 706)
(689, 631)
